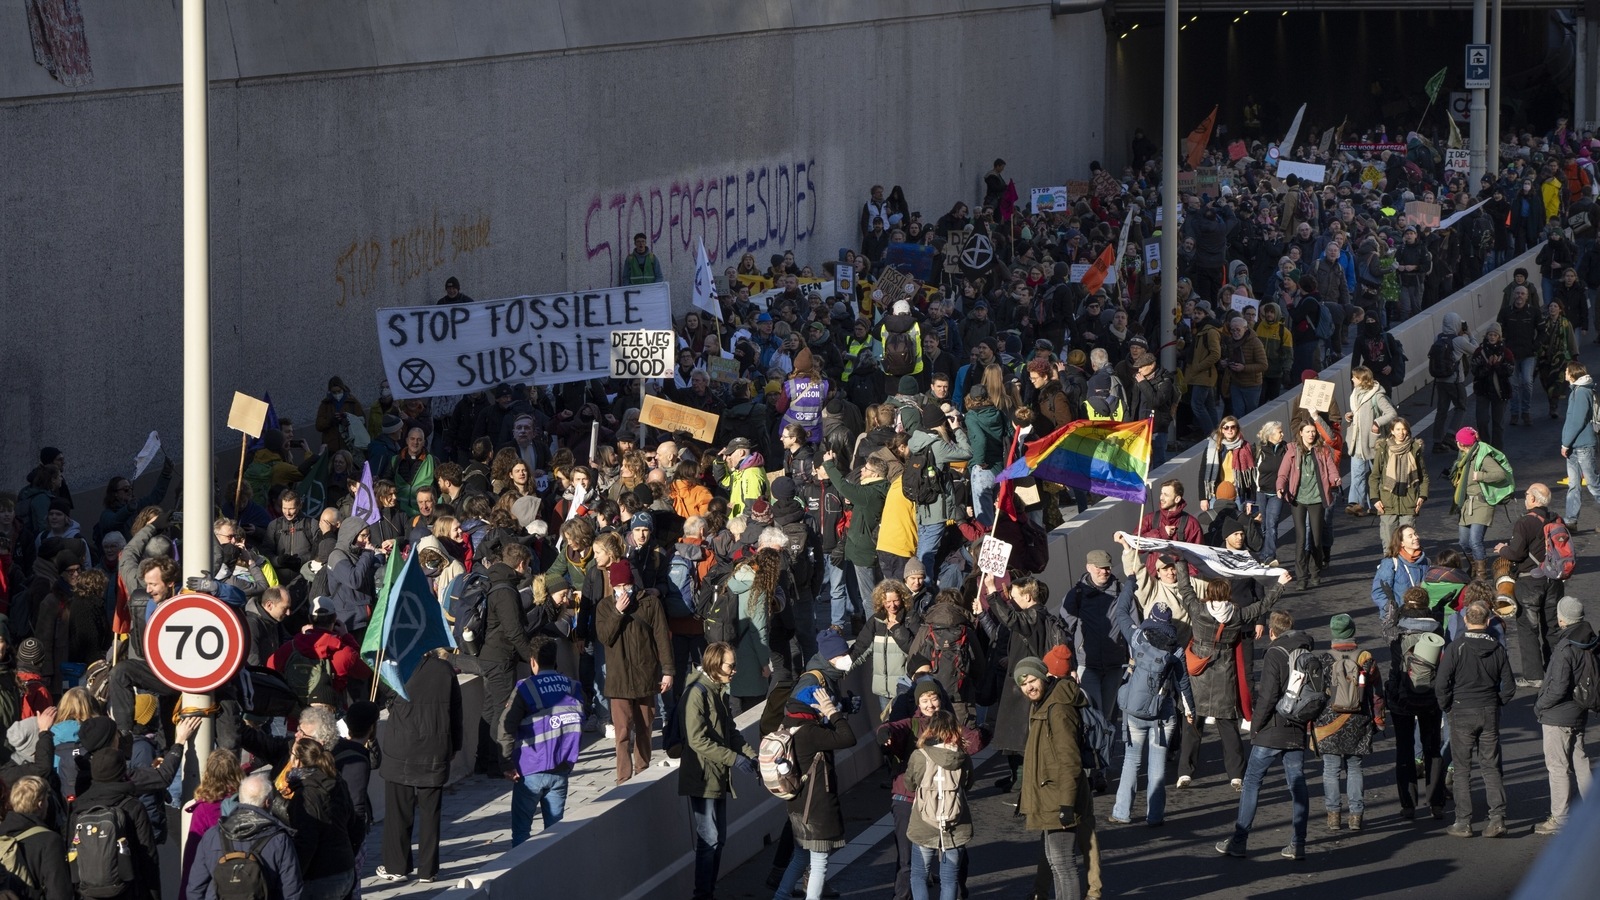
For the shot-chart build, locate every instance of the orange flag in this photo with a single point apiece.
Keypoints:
(1200, 137)
(1096, 276)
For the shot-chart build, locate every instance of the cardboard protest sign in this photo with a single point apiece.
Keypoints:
(1316, 396)
(433, 351)
(722, 371)
(642, 354)
(1152, 257)
(1423, 213)
(247, 414)
(1241, 302)
(1077, 190)
(993, 554)
(892, 284)
(669, 416)
(1050, 199)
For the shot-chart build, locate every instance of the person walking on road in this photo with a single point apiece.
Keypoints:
(1473, 683)
(820, 729)
(1522, 559)
(1056, 798)
(423, 735)
(1344, 730)
(1578, 442)
(1276, 739)
(1561, 717)
(1414, 647)
(712, 748)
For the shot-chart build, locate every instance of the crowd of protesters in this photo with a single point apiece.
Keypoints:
(831, 525)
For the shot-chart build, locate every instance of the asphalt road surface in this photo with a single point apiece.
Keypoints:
(1390, 857)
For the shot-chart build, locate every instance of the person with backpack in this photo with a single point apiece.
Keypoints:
(1398, 479)
(1099, 651)
(32, 851)
(114, 847)
(1578, 432)
(817, 728)
(1535, 536)
(1370, 414)
(1415, 643)
(1450, 347)
(1480, 480)
(1570, 693)
(866, 498)
(540, 733)
(741, 471)
(504, 645)
(251, 853)
(323, 817)
(940, 823)
(215, 797)
(899, 343)
(323, 663)
(1473, 683)
(933, 447)
(1279, 734)
(947, 644)
(758, 600)
(710, 745)
(1056, 799)
(1343, 733)
(1155, 692)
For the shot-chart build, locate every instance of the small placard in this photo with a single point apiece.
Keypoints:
(1316, 396)
(993, 554)
(248, 414)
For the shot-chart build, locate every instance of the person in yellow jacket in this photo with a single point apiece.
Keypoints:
(897, 532)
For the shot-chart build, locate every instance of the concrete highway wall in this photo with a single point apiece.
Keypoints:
(362, 153)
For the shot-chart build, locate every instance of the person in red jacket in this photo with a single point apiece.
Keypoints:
(326, 639)
(1170, 522)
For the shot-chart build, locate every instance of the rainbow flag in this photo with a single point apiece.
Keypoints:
(1108, 458)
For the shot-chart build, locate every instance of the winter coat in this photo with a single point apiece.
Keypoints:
(340, 650)
(326, 827)
(246, 826)
(1211, 470)
(638, 647)
(44, 854)
(814, 813)
(711, 740)
(887, 648)
(1556, 705)
(946, 623)
(123, 796)
(351, 577)
(424, 733)
(1371, 407)
(1086, 610)
(921, 832)
(1270, 728)
(1216, 690)
(946, 508)
(866, 513)
(1393, 576)
(1575, 428)
(899, 741)
(1030, 632)
(1207, 352)
(505, 629)
(897, 528)
(1350, 733)
(989, 437)
(1052, 763)
(1326, 468)
(1474, 672)
(753, 642)
(1402, 503)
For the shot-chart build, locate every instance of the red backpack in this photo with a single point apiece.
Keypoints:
(1559, 557)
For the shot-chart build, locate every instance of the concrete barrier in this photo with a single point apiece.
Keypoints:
(1477, 304)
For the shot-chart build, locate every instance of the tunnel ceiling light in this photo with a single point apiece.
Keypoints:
(1236, 20)
(1135, 27)
(1124, 35)
(1194, 19)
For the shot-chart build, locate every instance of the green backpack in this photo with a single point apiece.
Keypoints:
(311, 678)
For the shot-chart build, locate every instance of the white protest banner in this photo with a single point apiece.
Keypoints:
(642, 354)
(1078, 270)
(432, 351)
(1216, 562)
(1458, 160)
(1423, 213)
(1241, 302)
(1307, 171)
(1458, 215)
(1050, 199)
(1316, 396)
(146, 456)
(993, 554)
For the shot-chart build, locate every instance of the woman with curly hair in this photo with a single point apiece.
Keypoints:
(755, 584)
(500, 469)
(214, 799)
(886, 639)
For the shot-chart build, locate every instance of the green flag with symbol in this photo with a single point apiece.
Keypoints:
(1435, 83)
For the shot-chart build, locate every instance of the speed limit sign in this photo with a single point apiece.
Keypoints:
(194, 643)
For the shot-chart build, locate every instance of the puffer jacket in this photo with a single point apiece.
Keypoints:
(326, 827)
(1052, 764)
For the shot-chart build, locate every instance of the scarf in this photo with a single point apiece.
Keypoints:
(1411, 556)
(1169, 519)
(1400, 468)
(1244, 456)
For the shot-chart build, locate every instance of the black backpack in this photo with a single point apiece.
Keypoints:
(1442, 358)
(99, 853)
(899, 354)
(1586, 680)
(717, 605)
(238, 875)
(920, 479)
(467, 608)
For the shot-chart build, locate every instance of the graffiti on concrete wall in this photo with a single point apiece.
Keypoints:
(366, 264)
(768, 206)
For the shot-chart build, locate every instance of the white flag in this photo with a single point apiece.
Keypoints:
(1287, 147)
(1215, 562)
(705, 284)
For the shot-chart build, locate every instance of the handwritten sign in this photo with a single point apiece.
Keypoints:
(433, 351)
(668, 416)
(1458, 160)
(1239, 303)
(844, 280)
(1306, 171)
(993, 554)
(1078, 270)
(642, 354)
(1152, 255)
(1050, 199)
(722, 371)
(1316, 396)
(1423, 213)
(1077, 190)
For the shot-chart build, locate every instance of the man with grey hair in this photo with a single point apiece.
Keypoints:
(1104, 397)
(1521, 561)
(1244, 360)
(1562, 714)
(251, 829)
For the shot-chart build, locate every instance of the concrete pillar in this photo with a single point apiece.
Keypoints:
(1478, 125)
(1492, 120)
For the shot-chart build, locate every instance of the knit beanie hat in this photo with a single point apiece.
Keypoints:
(1342, 627)
(1029, 665)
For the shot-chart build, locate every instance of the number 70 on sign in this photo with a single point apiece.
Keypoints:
(194, 643)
